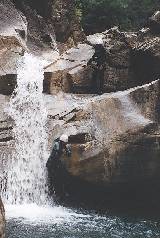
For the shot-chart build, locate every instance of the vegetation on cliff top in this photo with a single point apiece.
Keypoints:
(98, 15)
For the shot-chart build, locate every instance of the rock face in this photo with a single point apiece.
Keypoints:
(56, 16)
(115, 139)
(10, 52)
(65, 21)
(109, 125)
(115, 136)
(40, 35)
(70, 73)
(121, 60)
(11, 19)
(39, 24)
(26, 26)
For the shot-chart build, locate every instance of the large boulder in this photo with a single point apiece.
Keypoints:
(154, 23)
(112, 136)
(132, 59)
(71, 72)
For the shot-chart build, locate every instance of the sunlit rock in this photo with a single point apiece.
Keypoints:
(70, 72)
(112, 132)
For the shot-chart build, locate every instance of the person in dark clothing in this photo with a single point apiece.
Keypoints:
(57, 174)
(98, 63)
(60, 146)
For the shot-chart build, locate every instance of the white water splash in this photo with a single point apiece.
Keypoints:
(32, 213)
(26, 181)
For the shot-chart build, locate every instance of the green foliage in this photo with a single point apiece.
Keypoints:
(98, 15)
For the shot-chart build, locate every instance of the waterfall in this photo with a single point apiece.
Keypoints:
(26, 181)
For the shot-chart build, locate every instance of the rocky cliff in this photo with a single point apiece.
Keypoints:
(120, 61)
(50, 20)
(115, 145)
(105, 128)
(103, 92)
(115, 136)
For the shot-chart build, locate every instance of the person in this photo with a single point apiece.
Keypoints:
(57, 173)
(98, 63)
(60, 146)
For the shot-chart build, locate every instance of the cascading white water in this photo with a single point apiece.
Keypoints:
(26, 182)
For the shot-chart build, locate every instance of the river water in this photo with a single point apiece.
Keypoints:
(59, 222)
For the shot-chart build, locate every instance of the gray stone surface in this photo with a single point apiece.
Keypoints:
(118, 127)
(131, 59)
(70, 70)
(11, 19)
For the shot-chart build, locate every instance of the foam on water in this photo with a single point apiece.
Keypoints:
(32, 213)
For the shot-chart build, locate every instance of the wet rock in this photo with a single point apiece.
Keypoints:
(154, 23)
(6, 123)
(49, 17)
(40, 34)
(121, 132)
(30, 29)
(70, 72)
(120, 61)
(10, 51)
(11, 19)
(117, 70)
(12, 44)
